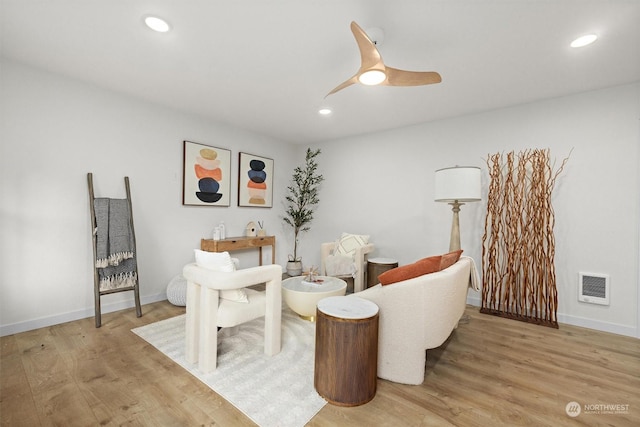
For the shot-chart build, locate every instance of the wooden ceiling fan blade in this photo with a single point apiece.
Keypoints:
(351, 81)
(397, 77)
(372, 67)
(369, 55)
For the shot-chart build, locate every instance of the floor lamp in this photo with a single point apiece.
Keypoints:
(456, 185)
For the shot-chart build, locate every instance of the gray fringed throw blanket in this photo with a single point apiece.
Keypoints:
(115, 260)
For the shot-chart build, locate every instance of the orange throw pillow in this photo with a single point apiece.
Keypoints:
(419, 268)
(449, 259)
(406, 272)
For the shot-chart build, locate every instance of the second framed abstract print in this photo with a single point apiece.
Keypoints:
(255, 181)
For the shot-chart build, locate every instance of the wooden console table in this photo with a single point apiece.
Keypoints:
(240, 243)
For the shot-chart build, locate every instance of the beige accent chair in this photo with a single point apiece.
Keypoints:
(418, 314)
(359, 264)
(206, 310)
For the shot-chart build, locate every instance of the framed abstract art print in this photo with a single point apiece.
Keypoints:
(206, 179)
(255, 181)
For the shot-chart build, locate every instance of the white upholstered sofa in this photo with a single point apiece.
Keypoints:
(418, 314)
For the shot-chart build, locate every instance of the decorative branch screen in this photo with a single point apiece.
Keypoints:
(519, 280)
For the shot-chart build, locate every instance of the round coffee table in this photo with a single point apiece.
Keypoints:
(303, 296)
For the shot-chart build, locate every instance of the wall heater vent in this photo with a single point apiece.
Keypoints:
(593, 288)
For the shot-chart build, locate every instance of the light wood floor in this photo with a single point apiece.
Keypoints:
(491, 372)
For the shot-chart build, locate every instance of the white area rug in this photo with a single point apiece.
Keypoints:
(272, 391)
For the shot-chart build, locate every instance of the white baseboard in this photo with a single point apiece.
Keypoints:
(567, 319)
(473, 300)
(598, 325)
(43, 322)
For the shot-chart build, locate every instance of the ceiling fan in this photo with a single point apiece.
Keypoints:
(373, 71)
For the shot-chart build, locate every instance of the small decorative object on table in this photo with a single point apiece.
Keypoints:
(250, 230)
(311, 276)
(261, 231)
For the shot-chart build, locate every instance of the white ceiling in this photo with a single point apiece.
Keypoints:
(266, 65)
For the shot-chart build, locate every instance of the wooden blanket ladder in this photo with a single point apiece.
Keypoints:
(96, 278)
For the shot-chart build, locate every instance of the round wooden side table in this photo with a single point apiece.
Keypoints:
(377, 266)
(346, 357)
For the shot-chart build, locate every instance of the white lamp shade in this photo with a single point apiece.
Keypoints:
(461, 183)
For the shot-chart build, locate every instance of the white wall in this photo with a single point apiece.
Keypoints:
(53, 131)
(382, 185)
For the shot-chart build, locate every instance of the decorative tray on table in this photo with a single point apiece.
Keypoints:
(315, 281)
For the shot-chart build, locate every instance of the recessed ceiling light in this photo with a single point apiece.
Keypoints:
(324, 111)
(584, 40)
(157, 24)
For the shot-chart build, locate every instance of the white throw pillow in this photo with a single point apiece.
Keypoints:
(348, 244)
(339, 265)
(216, 261)
(221, 261)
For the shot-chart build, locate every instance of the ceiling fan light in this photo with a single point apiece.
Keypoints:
(584, 40)
(372, 77)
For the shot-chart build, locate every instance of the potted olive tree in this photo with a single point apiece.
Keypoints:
(301, 199)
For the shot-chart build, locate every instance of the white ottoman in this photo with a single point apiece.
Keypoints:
(177, 291)
(177, 288)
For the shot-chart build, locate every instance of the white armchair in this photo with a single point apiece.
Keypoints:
(206, 310)
(359, 263)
